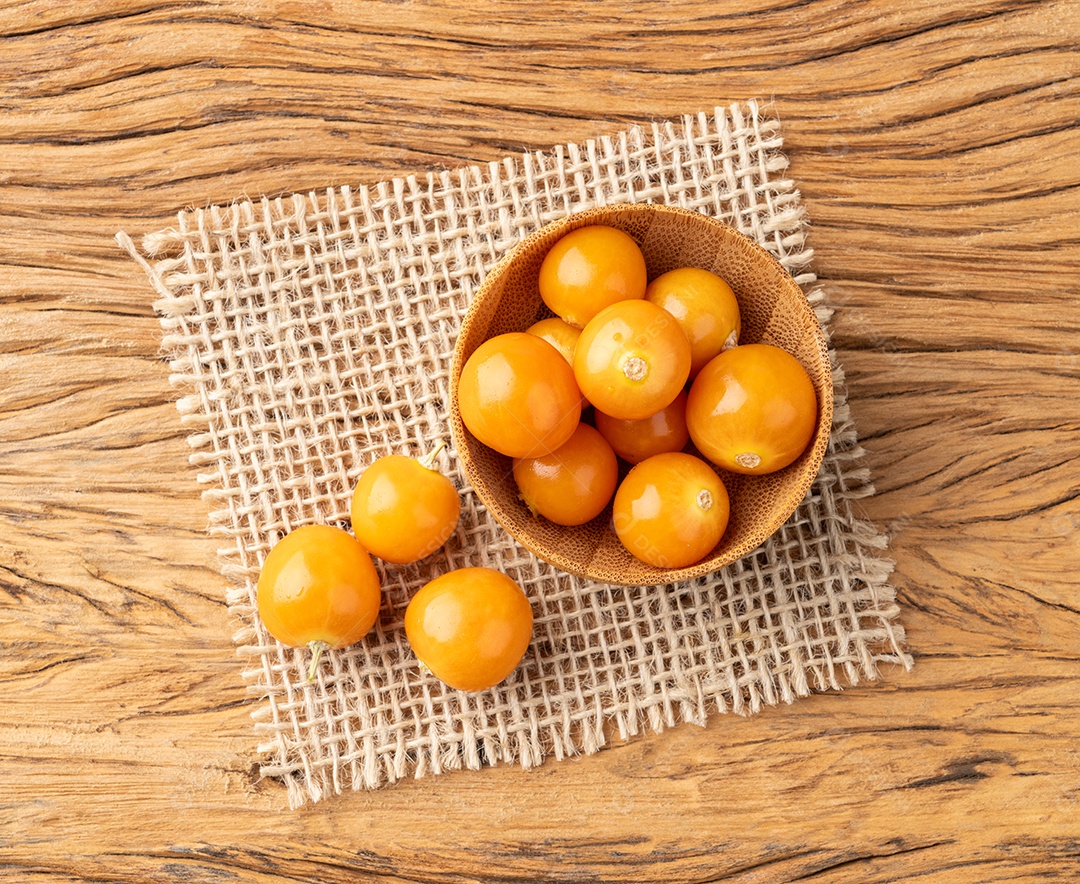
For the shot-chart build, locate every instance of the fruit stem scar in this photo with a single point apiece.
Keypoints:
(704, 499)
(635, 368)
(428, 460)
(317, 648)
(747, 459)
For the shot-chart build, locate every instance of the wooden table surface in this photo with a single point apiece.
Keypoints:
(934, 144)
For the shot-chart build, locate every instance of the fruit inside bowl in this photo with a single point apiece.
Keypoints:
(643, 347)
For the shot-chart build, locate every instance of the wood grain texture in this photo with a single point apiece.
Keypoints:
(933, 143)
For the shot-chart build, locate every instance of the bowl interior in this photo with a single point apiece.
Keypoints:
(774, 310)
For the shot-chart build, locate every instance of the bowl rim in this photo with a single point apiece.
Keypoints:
(710, 564)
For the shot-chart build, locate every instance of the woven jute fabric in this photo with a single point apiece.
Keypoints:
(310, 335)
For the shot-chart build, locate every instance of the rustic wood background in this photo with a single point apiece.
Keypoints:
(934, 142)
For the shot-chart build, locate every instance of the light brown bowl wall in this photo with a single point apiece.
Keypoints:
(774, 310)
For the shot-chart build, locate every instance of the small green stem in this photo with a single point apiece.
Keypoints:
(317, 648)
(428, 460)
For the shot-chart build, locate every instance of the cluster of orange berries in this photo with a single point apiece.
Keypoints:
(660, 364)
(319, 588)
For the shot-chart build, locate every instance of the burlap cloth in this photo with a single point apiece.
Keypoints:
(312, 334)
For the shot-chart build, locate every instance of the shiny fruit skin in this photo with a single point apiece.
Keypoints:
(589, 269)
(752, 409)
(402, 510)
(470, 627)
(704, 306)
(660, 433)
(517, 394)
(671, 510)
(574, 483)
(631, 360)
(318, 584)
(559, 333)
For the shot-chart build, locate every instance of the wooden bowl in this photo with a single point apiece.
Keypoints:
(774, 310)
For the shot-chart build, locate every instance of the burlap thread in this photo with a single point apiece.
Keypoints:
(311, 334)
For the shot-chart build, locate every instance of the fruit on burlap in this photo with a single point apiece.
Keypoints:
(470, 627)
(318, 588)
(403, 509)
